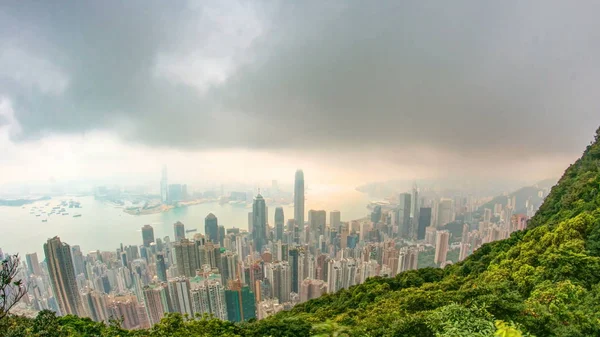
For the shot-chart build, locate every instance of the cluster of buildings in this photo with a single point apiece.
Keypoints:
(237, 275)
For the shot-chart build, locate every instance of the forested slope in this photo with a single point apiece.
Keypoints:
(542, 282)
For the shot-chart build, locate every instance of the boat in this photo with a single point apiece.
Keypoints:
(190, 230)
(44, 220)
(65, 213)
(76, 215)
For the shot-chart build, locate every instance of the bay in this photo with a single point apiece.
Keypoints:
(103, 226)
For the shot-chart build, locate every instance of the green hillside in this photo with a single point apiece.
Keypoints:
(540, 282)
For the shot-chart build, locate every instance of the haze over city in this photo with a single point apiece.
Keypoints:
(212, 165)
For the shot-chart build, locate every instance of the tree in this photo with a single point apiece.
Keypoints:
(11, 289)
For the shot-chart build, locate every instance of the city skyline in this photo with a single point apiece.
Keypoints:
(236, 274)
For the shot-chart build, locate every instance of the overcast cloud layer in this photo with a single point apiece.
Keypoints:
(461, 84)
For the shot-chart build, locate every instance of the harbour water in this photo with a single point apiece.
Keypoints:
(103, 226)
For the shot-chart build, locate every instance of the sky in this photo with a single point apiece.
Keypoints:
(350, 91)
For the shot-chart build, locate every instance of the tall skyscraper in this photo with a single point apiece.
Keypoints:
(157, 300)
(445, 212)
(164, 186)
(94, 303)
(259, 227)
(240, 302)
(147, 235)
(161, 268)
(441, 246)
(403, 218)
(179, 230)
(211, 228)
(415, 211)
(62, 277)
(299, 199)
(181, 299)
(335, 219)
(279, 220)
(209, 298)
(33, 265)
(317, 221)
(424, 222)
(187, 258)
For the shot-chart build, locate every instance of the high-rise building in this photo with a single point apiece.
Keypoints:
(33, 265)
(299, 199)
(179, 230)
(157, 300)
(161, 267)
(424, 222)
(441, 246)
(403, 217)
(78, 260)
(211, 228)
(164, 186)
(209, 298)
(317, 221)
(229, 267)
(187, 257)
(279, 276)
(94, 304)
(415, 205)
(293, 254)
(445, 212)
(147, 235)
(310, 289)
(279, 220)
(62, 277)
(259, 230)
(240, 302)
(181, 300)
(408, 259)
(335, 219)
(250, 222)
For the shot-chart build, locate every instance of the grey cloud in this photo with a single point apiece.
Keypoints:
(474, 78)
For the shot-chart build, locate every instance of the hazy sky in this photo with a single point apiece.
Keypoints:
(350, 91)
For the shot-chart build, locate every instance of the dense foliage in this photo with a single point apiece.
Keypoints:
(541, 282)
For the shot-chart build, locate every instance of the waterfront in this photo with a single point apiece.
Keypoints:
(103, 226)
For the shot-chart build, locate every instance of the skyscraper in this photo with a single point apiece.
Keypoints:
(293, 261)
(62, 277)
(179, 230)
(445, 212)
(156, 298)
(211, 228)
(187, 258)
(240, 302)
(317, 221)
(33, 265)
(161, 268)
(279, 220)
(415, 211)
(147, 235)
(424, 222)
(209, 298)
(181, 299)
(404, 214)
(299, 199)
(259, 227)
(335, 219)
(441, 246)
